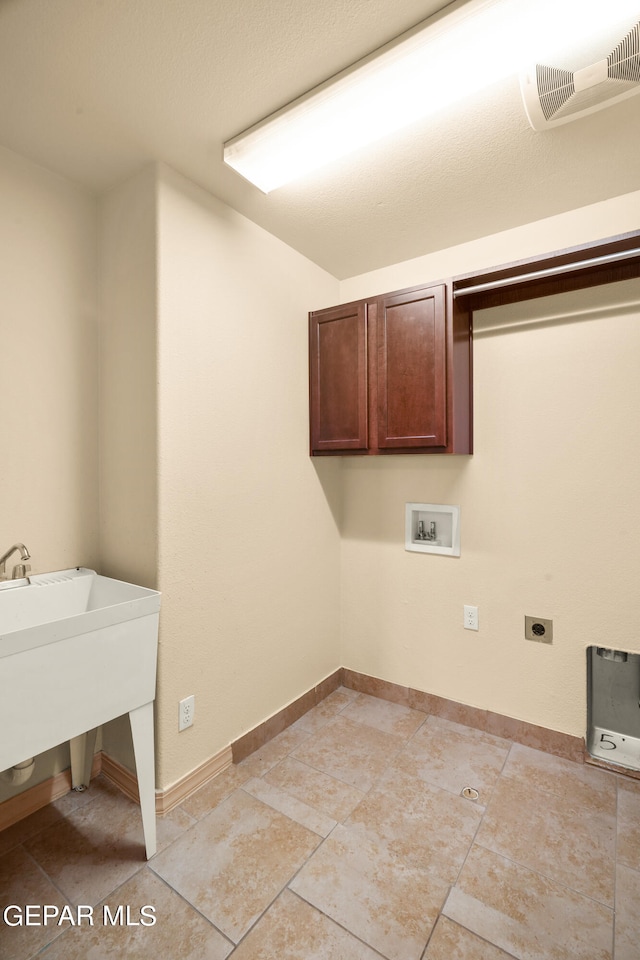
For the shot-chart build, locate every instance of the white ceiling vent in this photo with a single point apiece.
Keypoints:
(583, 81)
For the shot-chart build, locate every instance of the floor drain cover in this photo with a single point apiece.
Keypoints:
(470, 793)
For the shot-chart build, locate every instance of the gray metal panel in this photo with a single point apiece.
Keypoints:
(613, 706)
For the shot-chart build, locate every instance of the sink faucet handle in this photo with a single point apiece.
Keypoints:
(24, 555)
(20, 571)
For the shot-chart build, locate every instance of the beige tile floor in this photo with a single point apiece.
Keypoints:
(345, 838)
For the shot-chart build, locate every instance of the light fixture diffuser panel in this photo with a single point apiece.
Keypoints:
(467, 46)
(382, 93)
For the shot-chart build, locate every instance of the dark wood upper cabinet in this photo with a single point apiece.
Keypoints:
(338, 378)
(391, 374)
(411, 374)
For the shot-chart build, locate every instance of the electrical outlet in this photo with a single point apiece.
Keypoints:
(470, 617)
(186, 712)
(538, 629)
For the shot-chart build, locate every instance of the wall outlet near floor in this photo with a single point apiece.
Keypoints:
(538, 629)
(470, 617)
(186, 711)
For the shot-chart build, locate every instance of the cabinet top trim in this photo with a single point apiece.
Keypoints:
(591, 264)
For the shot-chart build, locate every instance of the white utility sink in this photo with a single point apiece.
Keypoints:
(76, 650)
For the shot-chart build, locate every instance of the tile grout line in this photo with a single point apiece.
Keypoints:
(544, 876)
(481, 820)
(615, 871)
(470, 847)
(61, 930)
(313, 906)
(508, 956)
(552, 793)
(504, 775)
(193, 907)
(366, 793)
(350, 933)
(46, 826)
(286, 886)
(46, 875)
(501, 774)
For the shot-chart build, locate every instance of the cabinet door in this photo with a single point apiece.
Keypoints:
(412, 361)
(338, 378)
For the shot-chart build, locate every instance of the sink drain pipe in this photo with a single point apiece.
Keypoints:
(19, 774)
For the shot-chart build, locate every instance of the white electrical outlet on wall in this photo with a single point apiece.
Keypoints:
(470, 617)
(186, 712)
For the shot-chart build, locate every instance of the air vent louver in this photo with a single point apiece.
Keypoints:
(555, 87)
(624, 62)
(553, 94)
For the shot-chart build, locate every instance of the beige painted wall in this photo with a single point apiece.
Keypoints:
(128, 399)
(128, 382)
(48, 364)
(583, 225)
(249, 543)
(549, 518)
(206, 487)
(203, 399)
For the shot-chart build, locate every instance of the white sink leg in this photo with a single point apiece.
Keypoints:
(81, 749)
(141, 721)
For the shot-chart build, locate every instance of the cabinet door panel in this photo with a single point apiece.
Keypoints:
(412, 353)
(338, 381)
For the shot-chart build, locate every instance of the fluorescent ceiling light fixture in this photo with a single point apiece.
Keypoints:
(466, 47)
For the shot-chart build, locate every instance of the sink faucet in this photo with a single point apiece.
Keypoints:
(20, 569)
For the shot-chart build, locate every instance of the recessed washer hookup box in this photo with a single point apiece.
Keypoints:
(613, 706)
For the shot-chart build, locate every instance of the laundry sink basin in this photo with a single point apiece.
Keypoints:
(76, 649)
(51, 607)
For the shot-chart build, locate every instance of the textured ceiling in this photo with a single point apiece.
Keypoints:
(95, 89)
